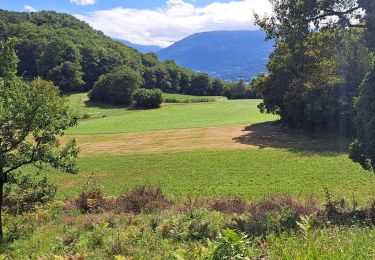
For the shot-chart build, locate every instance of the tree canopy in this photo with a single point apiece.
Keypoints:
(33, 117)
(116, 87)
(323, 51)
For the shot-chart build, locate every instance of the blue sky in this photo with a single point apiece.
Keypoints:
(66, 6)
(156, 22)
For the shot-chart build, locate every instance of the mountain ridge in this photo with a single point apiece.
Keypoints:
(230, 55)
(140, 47)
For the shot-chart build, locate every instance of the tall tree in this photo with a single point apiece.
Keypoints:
(32, 119)
(116, 87)
(292, 22)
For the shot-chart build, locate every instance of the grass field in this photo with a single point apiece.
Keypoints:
(170, 116)
(252, 174)
(206, 150)
(179, 98)
(209, 160)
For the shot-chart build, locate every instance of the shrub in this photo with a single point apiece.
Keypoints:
(236, 205)
(339, 212)
(197, 224)
(231, 245)
(25, 193)
(90, 201)
(274, 215)
(142, 199)
(97, 235)
(147, 98)
(116, 87)
(68, 241)
(117, 246)
(19, 227)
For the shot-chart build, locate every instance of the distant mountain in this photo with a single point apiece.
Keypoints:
(229, 55)
(141, 48)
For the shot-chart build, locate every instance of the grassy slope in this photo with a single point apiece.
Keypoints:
(168, 117)
(252, 173)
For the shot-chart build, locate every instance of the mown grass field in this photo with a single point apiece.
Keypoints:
(179, 98)
(252, 174)
(298, 166)
(170, 116)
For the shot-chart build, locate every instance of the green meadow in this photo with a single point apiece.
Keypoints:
(111, 120)
(251, 173)
(254, 162)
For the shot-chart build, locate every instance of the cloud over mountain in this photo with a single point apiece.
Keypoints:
(176, 20)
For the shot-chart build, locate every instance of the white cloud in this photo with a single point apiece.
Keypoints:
(176, 20)
(29, 8)
(83, 2)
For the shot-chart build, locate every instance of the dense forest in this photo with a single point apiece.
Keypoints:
(64, 50)
(321, 76)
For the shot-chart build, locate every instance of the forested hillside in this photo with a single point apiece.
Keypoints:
(60, 48)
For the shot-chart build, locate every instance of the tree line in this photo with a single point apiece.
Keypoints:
(62, 49)
(321, 74)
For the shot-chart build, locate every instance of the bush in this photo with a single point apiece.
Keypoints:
(273, 215)
(236, 205)
(339, 212)
(25, 193)
(142, 199)
(147, 98)
(194, 225)
(90, 201)
(116, 87)
(231, 245)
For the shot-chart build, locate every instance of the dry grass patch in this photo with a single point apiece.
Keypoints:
(211, 138)
(259, 136)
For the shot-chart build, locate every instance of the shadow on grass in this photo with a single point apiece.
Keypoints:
(89, 103)
(274, 135)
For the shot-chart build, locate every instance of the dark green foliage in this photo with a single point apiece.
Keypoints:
(240, 90)
(147, 98)
(217, 87)
(26, 192)
(67, 51)
(49, 39)
(313, 74)
(8, 61)
(201, 85)
(327, 107)
(362, 150)
(116, 87)
(33, 117)
(68, 76)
